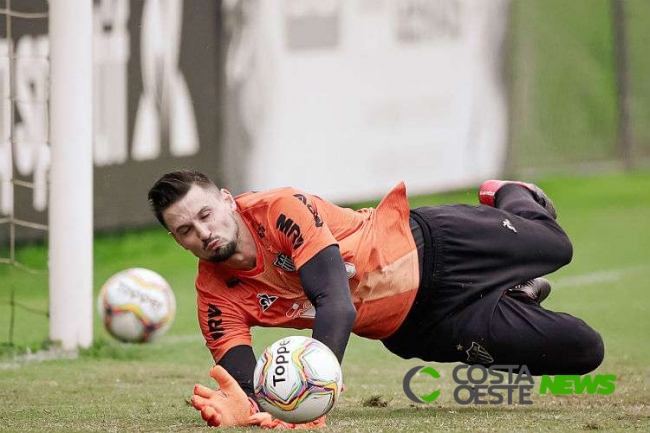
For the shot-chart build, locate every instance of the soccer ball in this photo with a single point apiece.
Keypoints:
(297, 379)
(136, 305)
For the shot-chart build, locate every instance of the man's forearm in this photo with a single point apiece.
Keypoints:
(240, 363)
(326, 284)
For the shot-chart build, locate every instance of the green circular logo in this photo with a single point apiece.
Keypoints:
(407, 384)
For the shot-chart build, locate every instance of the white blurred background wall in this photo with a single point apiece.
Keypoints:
(347, 98)
(342, 98)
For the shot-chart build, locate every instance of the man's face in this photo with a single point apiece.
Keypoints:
(204, 223)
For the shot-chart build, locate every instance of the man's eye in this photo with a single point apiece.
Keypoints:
(183, 231)
(205, 215)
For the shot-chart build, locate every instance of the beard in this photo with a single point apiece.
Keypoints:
(224, 252)
(227, 250)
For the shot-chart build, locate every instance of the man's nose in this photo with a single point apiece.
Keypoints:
(204, 232)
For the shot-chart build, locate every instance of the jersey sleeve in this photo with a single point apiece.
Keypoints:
(298, 228)
(223, 325)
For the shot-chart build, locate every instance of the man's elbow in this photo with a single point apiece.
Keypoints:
(349, 314)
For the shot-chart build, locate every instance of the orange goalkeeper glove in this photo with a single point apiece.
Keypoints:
(230, 406)
(265, 420)
(227, 406)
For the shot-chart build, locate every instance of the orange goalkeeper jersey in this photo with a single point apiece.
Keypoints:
(289, 228)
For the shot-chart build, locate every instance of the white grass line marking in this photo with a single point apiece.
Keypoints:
(55, 353)
(38, 356)
(597, 277)
(181, 339)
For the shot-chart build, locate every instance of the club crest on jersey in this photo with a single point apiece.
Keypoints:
(478, 354)
(284, 262)
(318, 222)
(266, 300)
(290, 229)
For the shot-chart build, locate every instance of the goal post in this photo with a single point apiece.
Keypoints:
(71, 173)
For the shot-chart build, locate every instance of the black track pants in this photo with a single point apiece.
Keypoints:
(472, 256)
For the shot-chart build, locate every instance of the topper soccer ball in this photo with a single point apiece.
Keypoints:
(136, 305)
(297, 379)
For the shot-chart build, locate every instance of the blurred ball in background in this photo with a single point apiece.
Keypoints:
(136, 305)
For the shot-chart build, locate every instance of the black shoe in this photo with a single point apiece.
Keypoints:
(533, 290)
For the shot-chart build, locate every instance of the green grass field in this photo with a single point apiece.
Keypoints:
(563, 84)
(119, 387)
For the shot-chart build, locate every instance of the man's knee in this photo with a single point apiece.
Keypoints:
(564, 250)
(587, 354)
(577, 349)
(558, 247)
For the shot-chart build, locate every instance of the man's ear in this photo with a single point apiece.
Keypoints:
(228, 198)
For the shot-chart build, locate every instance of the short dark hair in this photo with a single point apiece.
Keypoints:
(172, 187)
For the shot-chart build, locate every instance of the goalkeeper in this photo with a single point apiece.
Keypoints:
(453, 283)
